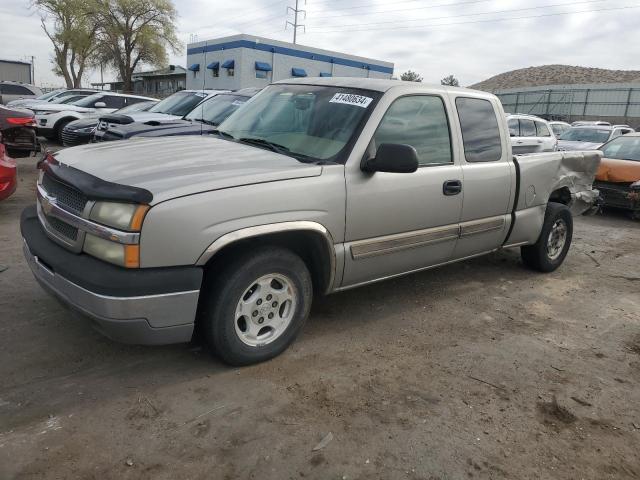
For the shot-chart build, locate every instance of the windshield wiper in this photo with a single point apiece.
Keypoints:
(223, 134)
(261, 142)
(206, 122)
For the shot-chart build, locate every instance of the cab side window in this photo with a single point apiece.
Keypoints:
(514, 127)
(420, 121)
(527, 128)
(542, 130)
(480, 130)
(113, 101)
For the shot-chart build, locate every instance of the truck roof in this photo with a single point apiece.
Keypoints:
(376, 84)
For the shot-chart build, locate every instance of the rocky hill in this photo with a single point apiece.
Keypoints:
(554, 75)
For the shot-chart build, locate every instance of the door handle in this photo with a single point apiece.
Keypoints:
(452, 187)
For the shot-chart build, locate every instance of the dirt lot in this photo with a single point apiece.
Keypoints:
(477, 370)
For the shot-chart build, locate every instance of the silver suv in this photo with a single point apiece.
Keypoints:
(530, 134)
(15, 91)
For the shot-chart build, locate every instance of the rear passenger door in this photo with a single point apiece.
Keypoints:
(527, 141)
(545, 139)
(488, 177)
(400, 222)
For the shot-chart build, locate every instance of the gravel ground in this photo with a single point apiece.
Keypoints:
(477, 370)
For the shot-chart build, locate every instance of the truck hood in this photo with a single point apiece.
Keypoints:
(573, 146)
(178, 166)
(151, 117)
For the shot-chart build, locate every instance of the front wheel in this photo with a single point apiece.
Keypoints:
(256, 306)
(548, 253)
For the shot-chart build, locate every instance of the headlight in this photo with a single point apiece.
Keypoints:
(43, 112)
(124, 216)
(86, 130)
(635, 185)
(123, 255)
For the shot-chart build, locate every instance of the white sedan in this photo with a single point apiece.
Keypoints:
(52, 118)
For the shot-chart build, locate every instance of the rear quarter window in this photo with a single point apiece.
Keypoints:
(480, 130)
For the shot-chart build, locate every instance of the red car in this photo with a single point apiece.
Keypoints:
(8, 173)
(18, 128)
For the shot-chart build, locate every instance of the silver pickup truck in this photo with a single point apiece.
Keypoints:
(314, 185)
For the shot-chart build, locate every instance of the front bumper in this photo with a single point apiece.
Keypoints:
(619, 195)
(140, 306)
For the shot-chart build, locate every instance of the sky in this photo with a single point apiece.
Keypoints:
(471, 39)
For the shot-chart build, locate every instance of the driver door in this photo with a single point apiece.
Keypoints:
(400, 222)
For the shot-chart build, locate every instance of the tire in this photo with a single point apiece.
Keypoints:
(258, 328)
(57, 135)
(548, 253)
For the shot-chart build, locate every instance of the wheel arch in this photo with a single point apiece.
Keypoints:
(63, 121)
(312, 241)
(561, 195)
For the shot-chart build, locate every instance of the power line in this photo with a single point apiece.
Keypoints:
(479, 21)
(470, 14)
(428, 7)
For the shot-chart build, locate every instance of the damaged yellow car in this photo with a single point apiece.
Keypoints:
(618, 177)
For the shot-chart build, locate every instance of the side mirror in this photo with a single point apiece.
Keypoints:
(100, 105)
(392, 158)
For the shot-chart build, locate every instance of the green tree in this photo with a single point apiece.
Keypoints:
(135, 32)
(72, 31)
(451, 81)
(411, 76)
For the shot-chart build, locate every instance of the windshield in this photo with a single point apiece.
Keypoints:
(592, 135)
(137, 107)
(89, 101)
(68, 99)
(623, 148)
(47, 96)
(308, 122)
(179, 103)
(215, 110)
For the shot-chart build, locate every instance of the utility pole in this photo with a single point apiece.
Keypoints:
(33, 70)
(296, 11)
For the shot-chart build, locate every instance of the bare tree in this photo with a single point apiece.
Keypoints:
(72, 31)
(135, 32)
(451, 81)
(411, 76)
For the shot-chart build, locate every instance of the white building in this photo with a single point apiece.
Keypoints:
(242, 61)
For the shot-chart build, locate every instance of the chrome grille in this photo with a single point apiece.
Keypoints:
(70, 138)
(63, 228)
(67, 197)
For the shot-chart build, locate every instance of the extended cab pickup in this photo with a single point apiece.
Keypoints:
(315, 185)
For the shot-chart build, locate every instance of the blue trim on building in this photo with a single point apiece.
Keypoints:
(263, 66)
(195, 67)
(298, 72)
(326, 74)
(229, 64)
(213, 66)
(290, 52)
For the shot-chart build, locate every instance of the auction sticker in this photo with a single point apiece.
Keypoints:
(351, 99)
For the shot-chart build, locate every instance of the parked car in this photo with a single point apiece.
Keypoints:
(15, 91)
(8, 173)
(558, 127)
(52, 118)
(55, 96)
(18, 131)
(530, 134)
(171, 108)
(618, 177)
(202, 120)
(81, 131)
(589, 137)
(313, 185)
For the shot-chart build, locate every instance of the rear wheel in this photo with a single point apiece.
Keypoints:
(548, 253)
(256, 306)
